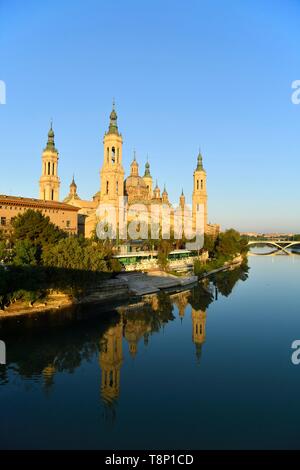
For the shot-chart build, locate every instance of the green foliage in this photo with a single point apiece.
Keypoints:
(75, 253)
(228, 245)
(164, 249)
(42, 258)
(201, 268)
(25, 253)
(3, 250)
(34, 226)
(209, 243)
(33, 282)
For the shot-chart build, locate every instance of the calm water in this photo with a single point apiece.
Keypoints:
(188, 371)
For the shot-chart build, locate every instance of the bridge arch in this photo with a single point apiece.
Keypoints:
(280, 245)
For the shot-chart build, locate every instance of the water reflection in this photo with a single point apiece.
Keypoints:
(42, 347)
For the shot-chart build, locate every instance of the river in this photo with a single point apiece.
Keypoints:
(199, 370)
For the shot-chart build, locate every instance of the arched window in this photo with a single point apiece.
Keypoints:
(107, 154)
(52, 168)
(52, 194)
(197, 184)
(201, 184)
(107, 183)
(200, 329)
(117, 187)
(45, 168)
(49, 168)
(118, 155)
(196, 329)
(113, 154)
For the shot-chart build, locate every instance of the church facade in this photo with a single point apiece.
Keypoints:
(79, 216)
(135, 188)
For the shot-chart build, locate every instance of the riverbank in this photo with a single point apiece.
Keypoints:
(54, 301)
(234, 263)
(123, 288)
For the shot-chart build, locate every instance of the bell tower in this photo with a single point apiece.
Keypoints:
(49, 181)
(112, 171)
(148, 179)
(198, 335)
(111, 358)
(182, 200)
(199, 191)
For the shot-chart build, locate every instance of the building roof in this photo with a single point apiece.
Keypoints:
(40, 203)
(135, 181)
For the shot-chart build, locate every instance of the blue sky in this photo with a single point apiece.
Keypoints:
(183, 73)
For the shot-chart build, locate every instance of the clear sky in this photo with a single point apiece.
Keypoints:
(184, 74)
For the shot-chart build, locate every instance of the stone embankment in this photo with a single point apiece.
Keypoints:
(109, 290)
(154, 281)
(227, 266)
(121, 288)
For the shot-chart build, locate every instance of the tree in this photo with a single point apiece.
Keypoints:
(3, 250)
(25, 253)
(37, 229)
(209, 243)
(82, 254)
(164, 249)
(67, 253)
(228, 243)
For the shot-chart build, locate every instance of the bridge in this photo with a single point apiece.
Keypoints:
(280, 245)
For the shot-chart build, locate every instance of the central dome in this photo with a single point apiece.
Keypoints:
(136, 189)
(134, 181)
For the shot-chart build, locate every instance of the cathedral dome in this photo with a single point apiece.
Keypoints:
(136, 189)
(135, 181)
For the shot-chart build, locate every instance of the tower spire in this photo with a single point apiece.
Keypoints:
(49, 180)
(113, 125)
(199, 162)
(147, 169)
(50, 142)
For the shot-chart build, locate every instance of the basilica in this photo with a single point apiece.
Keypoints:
(138, 189)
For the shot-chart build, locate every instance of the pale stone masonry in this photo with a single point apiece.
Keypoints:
(136, 188)
(62, 215)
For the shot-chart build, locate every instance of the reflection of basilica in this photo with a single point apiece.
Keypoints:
(111, 358)
(198, 319)
(133, 326)
(134, 330)
(181, 301)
